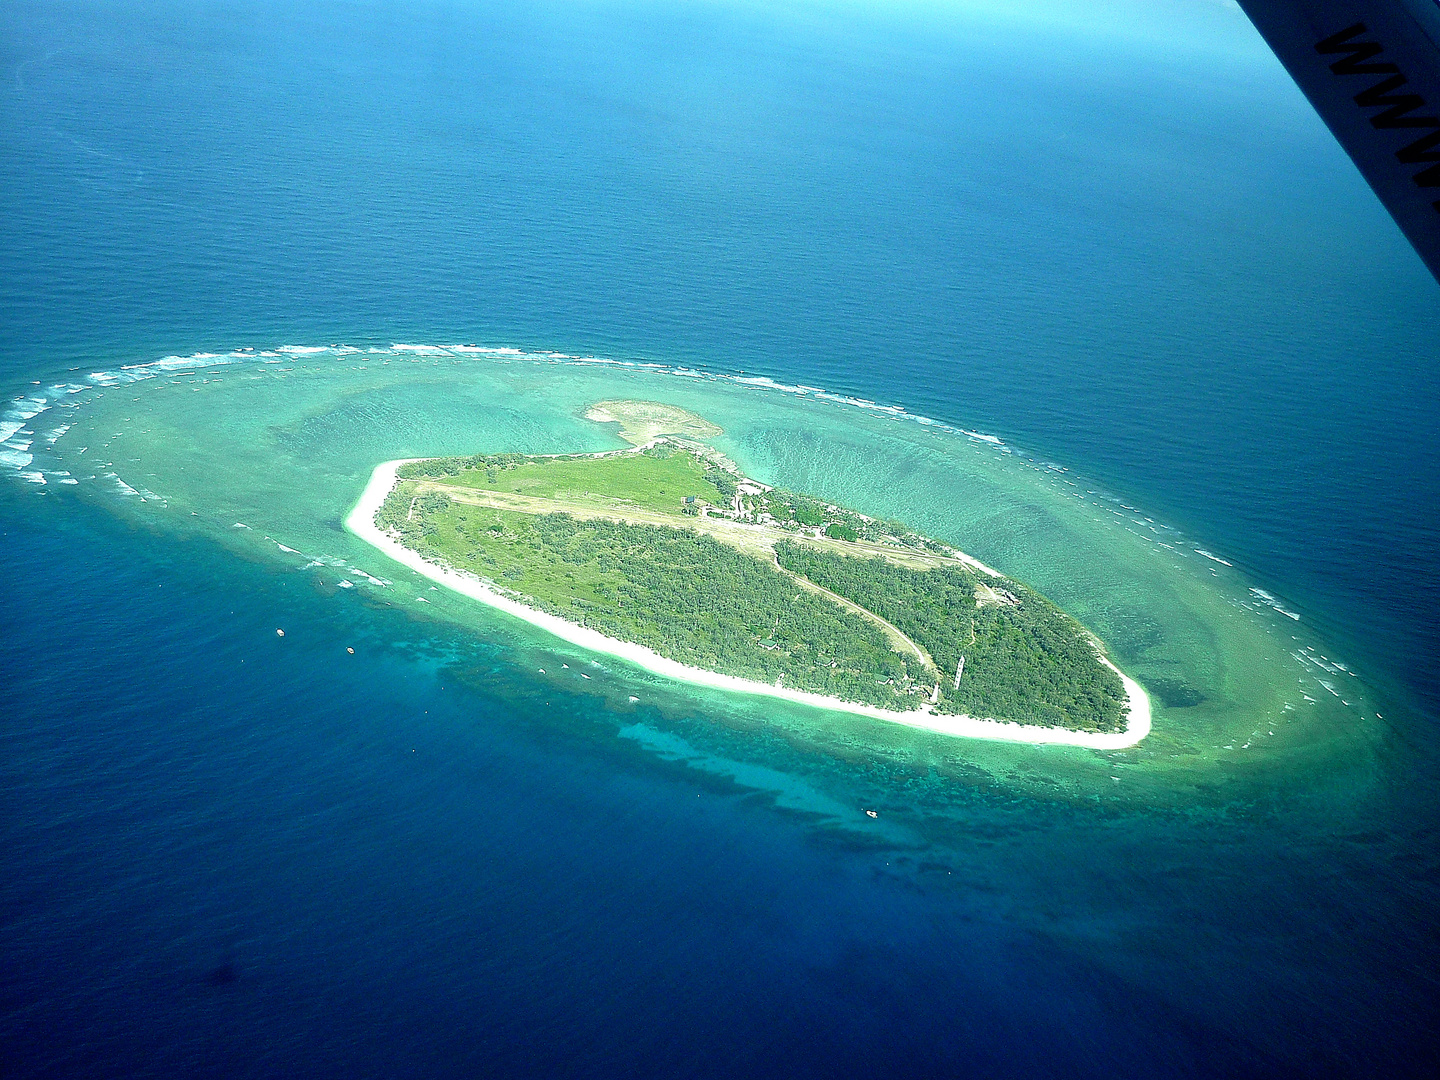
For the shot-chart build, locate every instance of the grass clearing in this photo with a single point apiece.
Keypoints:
(647, 480)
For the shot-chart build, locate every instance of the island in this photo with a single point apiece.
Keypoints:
(668, 555)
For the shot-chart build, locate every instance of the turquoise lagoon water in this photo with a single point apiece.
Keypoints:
(264, 453)
(1041, 285)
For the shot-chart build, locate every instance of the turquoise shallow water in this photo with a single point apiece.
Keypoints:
(233, 854)
(266, 452)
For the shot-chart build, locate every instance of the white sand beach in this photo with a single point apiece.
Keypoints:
(361, 522)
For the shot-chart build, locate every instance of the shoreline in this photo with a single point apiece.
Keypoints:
(361, 522)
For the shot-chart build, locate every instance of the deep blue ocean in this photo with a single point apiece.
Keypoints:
(1117, 236)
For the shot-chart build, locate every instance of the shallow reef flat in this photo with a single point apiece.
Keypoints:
(265, 454)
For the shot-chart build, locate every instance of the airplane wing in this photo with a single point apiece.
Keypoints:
(1371, 68)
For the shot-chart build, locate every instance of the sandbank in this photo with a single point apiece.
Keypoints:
(361, 522)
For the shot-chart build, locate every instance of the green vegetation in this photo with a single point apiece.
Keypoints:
(723, 481)
(684, 595)
(806, 513)
(406, 514)
(1026, 661)
(656, 479)
(726, 608)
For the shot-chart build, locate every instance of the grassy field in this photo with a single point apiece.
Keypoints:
(646, 480)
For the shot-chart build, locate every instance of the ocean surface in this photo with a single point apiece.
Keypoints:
(1086, 290)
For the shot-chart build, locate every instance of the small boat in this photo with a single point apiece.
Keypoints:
(871, 813)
